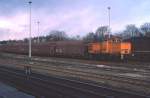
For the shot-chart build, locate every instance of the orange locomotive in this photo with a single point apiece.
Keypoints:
(110, 47)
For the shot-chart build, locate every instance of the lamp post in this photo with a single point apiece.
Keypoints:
(38, 23)
(109, 8)
(30, 29)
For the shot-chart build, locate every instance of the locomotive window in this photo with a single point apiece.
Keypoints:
(116, 40)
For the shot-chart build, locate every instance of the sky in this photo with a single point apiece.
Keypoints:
(75, 17)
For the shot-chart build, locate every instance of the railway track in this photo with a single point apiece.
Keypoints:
(122, 68)
(99, 76)
(95, 68)
(112, 76)
(63, 87)
(129, 65)
(86, 66)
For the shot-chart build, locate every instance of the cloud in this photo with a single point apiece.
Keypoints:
(77, 21)
(75, 17)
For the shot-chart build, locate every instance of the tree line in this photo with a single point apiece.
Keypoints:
(100, 34)
(130, 31)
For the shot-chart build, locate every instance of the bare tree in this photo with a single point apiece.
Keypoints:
(90, 37)
(57, 35)
(101, 32)
(145, 28)
(131, 31)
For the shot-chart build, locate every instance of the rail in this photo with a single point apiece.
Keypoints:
(61, 87)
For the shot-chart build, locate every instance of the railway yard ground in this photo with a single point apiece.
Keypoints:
(126, 76)
(6, 91)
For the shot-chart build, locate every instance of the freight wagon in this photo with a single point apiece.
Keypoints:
(140, 48)
(72, 49)
(14, 48)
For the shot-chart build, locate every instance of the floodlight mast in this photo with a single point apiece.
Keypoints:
(38, 24)
(30, 54)
(109, 8)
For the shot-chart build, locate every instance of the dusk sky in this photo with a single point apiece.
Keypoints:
(76, 17)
